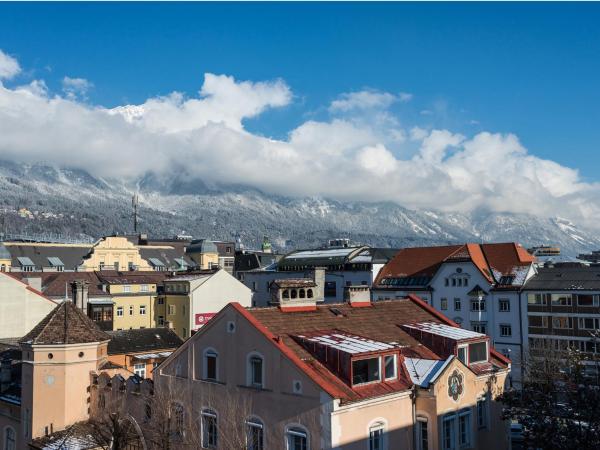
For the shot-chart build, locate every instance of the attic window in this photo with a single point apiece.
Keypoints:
(478, 352)
(366, 370)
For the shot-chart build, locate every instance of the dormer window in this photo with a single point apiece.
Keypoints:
(366, 371)
(390, 367)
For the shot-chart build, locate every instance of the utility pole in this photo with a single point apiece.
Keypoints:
(134, 203)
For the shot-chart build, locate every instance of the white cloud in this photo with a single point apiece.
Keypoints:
(9, 66)
(361, 100)
(76, 87)
(362, 157)
(405, 97)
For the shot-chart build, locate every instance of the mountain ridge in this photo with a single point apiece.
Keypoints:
(75, 203)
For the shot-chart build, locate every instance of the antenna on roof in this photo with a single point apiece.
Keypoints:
(134, 204)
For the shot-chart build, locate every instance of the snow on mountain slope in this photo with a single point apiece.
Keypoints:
(75, 203)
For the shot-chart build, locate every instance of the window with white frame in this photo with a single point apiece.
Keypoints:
(142, 310)
(479, 327)
(482, 412)
(119, 311)
(478, 305)
(172, 310)
(377, 436)
(462, 354)
(296, 439)
(161, 300)
(505, 330)
(254, 434)
(255, 371)
(210, 364)
(140, 370)
(126, 288)
(562, 322)
(144, 288)
(456, 430)
(587, 300)
(457, 304)
(422, 433)
(10, 438)
(209, 428)
(589, 323)
(390, 367)
(161, 321)
(504, 305)
(443, 303)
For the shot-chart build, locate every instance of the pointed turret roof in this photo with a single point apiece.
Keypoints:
(66, 324)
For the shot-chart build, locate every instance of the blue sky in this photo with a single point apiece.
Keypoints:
(452, 106)
(529, 69)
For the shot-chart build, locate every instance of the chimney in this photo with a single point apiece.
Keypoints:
(5, 374)
(34, 282)
(319, 277)
(294, 294)
(79, 293)
(358, 296)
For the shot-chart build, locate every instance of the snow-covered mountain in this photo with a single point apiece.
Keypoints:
(73, 202)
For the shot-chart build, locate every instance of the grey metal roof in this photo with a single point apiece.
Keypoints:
(70, 255)
(55, 261)
(321, 257)
(156, 262)
(445, 330)
(202, 246)
(565, 278)
(25, 261)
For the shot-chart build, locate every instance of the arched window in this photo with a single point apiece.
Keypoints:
(178, 422)
(286, 293)
(302, 293)
(377, 439)
(211, 364)
(255, 370)
(254, 434)
(294, 293)
(209, 428)
(10, 439)
(296, 438)
(309, 293)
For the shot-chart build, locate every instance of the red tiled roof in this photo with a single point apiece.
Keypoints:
(425, 261)
(379, 322)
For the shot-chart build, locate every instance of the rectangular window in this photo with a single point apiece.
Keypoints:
(140, 370)
(446, 282)
(482, 413)
(464, 429)
(422, 436)
(562, 323)
(256, 371)
(504, 305)
(119, 311)
(144, 288)
(505, 330)
(366, 371)
(116, 266)
(560, 299)
(538, 321)
(479, 327)
(449, 432)
(587, 300)
(457, 304)
(161, 321)
(172, 310)
(209, 429)
(537, 299)
(478, 352)
(460, 282)
(462, 354)
(255, 435)
(390, 367)
(478, 305)
(453, 281)
(297, 440)
(588, 323)
(466, 281)
(161, 300)
(330, 289)
(444, 304)
(210, 360)
(376, 438)
(131, 310)
(142, 310)
(126, 288)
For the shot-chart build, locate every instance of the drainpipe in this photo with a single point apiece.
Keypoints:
(413, 397)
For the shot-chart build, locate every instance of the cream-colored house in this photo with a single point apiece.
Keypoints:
(21, 307)
(353, 376)
(191, 300)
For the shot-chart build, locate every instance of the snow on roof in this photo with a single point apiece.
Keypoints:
(153, 355)
(322, 253)
(55, 261)
(422, 370)
(445, 330)
(347, 342)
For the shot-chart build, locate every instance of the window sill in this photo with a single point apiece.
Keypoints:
(254, 388)
(209, 381)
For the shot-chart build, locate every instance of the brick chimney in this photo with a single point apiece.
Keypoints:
(79, 294)
(358, 296)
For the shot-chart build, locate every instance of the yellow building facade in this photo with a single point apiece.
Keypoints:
(114, 253)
